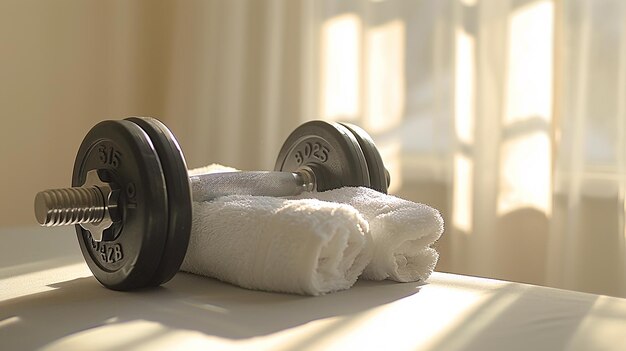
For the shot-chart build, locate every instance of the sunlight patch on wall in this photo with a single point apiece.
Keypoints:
(526, 153)
(530, 72)
(462, 198)
(525, 174)
(385, 88)
(341, 68)
(464, 114)
(464, 86)
(469, 2)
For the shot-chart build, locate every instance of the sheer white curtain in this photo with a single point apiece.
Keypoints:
(507, 115)
(588, 249)
(459, 96)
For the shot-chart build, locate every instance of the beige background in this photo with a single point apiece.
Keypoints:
(64, 66)
(492, 111)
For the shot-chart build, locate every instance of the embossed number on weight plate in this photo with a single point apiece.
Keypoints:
(109, 156)
(314, 151)
(109, 253)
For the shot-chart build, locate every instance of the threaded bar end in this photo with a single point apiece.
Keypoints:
(57, 207)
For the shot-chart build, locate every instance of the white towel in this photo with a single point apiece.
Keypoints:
(297, 246)
(402, 232)
(249, 241)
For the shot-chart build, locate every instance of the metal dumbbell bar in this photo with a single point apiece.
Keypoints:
(131, 196)
(92, 204)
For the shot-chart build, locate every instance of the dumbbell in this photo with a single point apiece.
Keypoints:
(131, 195)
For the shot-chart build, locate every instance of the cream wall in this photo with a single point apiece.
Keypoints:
(64, 66)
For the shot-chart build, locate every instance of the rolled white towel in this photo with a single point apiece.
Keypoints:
(400, 236)
(295, 246)
(402, 232)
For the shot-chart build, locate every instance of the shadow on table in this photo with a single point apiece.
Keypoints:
(188, 302)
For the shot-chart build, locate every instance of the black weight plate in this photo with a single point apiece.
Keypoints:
(378, 174)
(123, 151)
(178, 195)
(330, 150)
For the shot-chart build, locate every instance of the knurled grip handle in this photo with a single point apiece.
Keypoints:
(69, 206)
(206, 187)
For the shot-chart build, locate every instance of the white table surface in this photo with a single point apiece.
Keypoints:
(49, 300)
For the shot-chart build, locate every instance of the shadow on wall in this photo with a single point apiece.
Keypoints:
(521, 246)
(593, 256)
(517, 248)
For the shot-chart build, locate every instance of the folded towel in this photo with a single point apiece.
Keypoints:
(275, 244)
(402, 233)
(290, 245)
